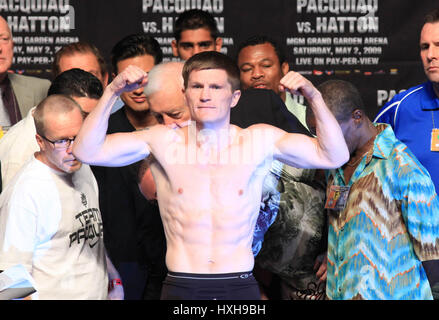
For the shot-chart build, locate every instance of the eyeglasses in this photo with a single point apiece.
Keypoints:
(61, 143)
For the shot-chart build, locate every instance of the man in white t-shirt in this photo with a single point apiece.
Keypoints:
(19, 144)
(49, 214)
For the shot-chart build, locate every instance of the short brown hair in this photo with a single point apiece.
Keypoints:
(212, 60)
(78, 47)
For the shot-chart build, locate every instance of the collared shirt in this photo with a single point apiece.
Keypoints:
(11, 114)
(389, 225)
(411, 115)
(296, 108)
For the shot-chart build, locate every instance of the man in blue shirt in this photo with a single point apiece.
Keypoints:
(414, 114)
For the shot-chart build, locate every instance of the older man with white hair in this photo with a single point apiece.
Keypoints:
(165, 95)
(19, 93)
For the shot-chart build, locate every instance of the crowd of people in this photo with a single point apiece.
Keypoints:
(206, 178)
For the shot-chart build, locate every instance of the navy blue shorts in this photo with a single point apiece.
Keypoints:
(226, 286)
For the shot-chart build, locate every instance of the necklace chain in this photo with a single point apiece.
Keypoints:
(358, 160)
(370, 143)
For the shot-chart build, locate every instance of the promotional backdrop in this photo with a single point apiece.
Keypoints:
(372, 43)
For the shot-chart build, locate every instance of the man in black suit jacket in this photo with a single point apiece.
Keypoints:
(19, 93)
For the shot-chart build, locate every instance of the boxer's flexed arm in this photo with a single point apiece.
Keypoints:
(92, 145)
(329, 149)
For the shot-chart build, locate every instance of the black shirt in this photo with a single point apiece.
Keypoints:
(264, 106)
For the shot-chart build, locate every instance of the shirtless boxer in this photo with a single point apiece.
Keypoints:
(209, 174)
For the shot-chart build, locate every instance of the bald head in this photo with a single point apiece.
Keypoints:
(164, 92)
(6, 47)
(54, 104)
(58, 120)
